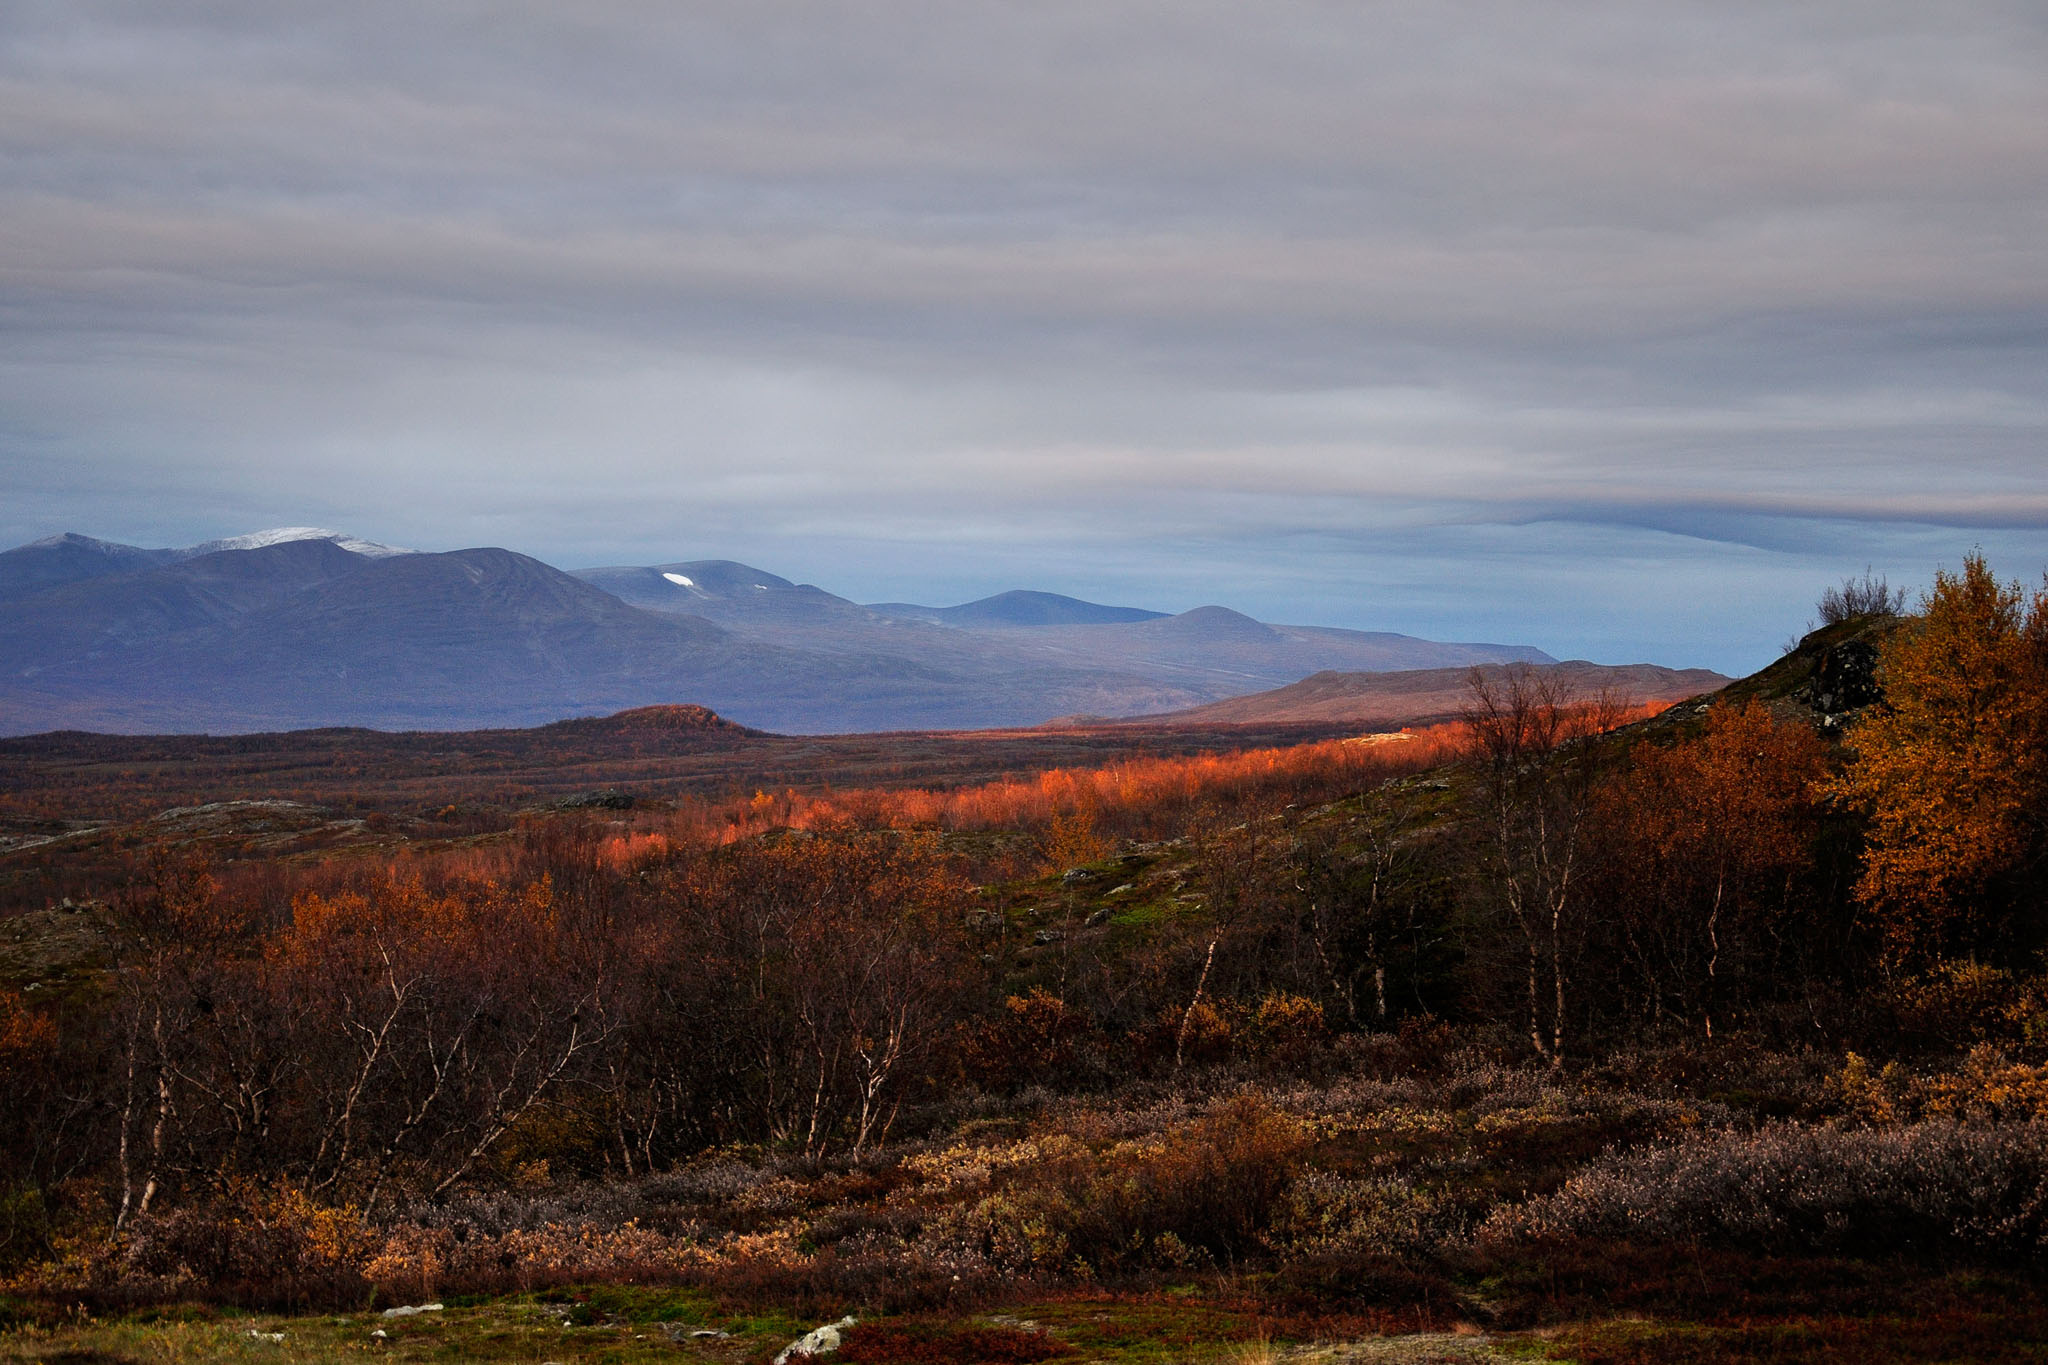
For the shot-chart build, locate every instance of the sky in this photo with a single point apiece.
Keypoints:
(1617, 329)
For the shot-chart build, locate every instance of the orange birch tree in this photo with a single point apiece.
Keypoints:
(1950, 768)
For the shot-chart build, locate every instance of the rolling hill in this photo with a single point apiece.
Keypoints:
(1415, 696)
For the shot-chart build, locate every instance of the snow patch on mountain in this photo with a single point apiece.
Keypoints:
(281, 535)
(72, 538)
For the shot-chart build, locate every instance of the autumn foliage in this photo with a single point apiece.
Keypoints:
(1708, 844)
(1340, 1015)
(1953, 769)
(1082, 810)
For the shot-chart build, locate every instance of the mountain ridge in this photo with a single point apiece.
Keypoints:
(300, 627)
(1021, 607)
(1414, 696)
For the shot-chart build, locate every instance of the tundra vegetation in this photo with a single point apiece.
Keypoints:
(1560, 1032)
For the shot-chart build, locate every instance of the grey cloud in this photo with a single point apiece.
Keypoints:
(1111, 293)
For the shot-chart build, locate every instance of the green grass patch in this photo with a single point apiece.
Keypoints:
(622, 1328)
(1994, 1339)
(1142, 914)
(1157, 1328)
(644, 1304)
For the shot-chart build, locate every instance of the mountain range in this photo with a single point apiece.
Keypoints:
(305, 627)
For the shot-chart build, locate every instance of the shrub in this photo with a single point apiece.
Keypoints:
(1877, 1097)
(1036, 1040)
(1988, 1087)
(25, 1225)
(1071, 838)
(1287, 1030)
(1423, 1045)
(1869, 595)
(423, 1262)
(1204, 1192)
(1327, 1215)
(252, 1245)
(1958, 1004)
(887, 1343)
(1219, 1180)
(1199, 1034)
(1926, 1189)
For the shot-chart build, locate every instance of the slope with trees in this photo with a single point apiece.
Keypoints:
(1728, 1020)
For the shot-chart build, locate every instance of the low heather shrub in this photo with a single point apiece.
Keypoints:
(1201, 1193)
(417, 1262)
(253, 1245)
(1421, 1046)
(1037, 1039)
(1327, 1215)
(1926, 1189)
(1959, 1004)
(1986, 1087)
(489, 1211)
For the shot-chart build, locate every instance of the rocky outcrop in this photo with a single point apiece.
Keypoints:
(1844, 680)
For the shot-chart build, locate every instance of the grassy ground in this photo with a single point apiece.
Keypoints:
(612, 1325)
(1973, 1337)
(621, 1326)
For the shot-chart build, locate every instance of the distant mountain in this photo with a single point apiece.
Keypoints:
(283, 535)
(1222, 653)
(307, 627)
(1413, 696)
(727, 592)
(111, 616)
(1009, 639)
(70, 558)
(678, 587)
(305, 633)
(1211, 626)
(1020, 607)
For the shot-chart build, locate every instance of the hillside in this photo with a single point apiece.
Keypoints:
(1416, 696)
(1224, 1044)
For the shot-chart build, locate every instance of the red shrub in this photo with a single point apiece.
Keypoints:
(889, 1343)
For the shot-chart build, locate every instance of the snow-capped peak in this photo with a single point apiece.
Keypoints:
(64, 538)
(281, 535)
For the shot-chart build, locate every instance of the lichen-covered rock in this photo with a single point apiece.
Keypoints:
(822, 1341)
(1844, 679)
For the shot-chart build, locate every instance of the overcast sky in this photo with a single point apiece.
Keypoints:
(1615, 329)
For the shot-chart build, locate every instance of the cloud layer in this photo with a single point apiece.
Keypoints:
(1615, 328)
